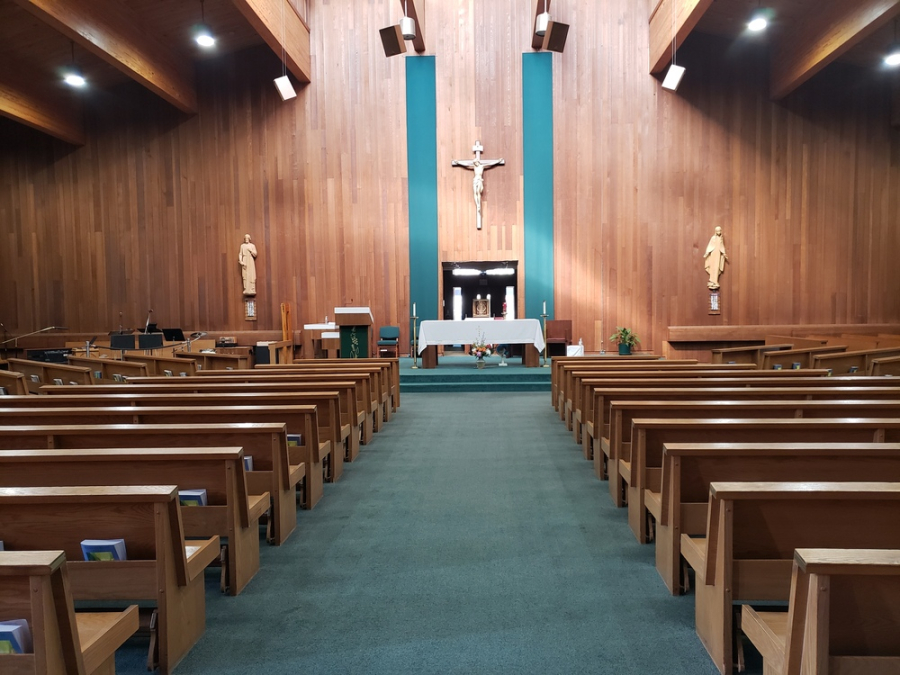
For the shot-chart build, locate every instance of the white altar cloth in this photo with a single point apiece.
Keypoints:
(514, 331)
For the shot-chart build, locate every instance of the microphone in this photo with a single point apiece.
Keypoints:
(147, 325)
(60, 328)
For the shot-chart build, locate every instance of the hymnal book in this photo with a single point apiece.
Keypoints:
(1, 545)
(248, 463)
(795, 365)
(15, 637)
(103, 549)
(192, 497)
(167, 373)
(777, 366)
(295, 439)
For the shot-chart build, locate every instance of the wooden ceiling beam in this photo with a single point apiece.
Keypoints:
(115, 33)
(540, 6)
(22, 102)
(274, 18)
(825, 35)
(417, 14)
(678, 17)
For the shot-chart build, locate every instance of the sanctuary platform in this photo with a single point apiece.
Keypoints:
(459, 373)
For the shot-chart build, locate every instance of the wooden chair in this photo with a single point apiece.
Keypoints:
(161, 568)
(389, 341)
(843, 617)
(34, 585)
(559, 336)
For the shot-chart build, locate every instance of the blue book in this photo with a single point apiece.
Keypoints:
(103, 549)
(1, 545)
(777, 366)
(295, 439)
(248, 463)
(795, 365)
(15, 637)
(192, 497)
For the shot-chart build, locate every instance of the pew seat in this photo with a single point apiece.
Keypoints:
(34, 586)
(843, 615)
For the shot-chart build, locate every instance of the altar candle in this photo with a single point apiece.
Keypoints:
(545, 306)
(414, 309)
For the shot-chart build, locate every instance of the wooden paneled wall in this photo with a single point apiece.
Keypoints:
(150, 213)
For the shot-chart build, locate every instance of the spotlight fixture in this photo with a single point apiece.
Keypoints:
(285, 88)
(675, 72)
(407, 25)
(283, 83)
(72, 75)
(892, 59)
(673, 77)
(202, 34)
(542, 21)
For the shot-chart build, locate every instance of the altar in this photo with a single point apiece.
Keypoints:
(513, 331)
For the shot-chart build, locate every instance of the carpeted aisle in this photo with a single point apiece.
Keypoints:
(470, 537)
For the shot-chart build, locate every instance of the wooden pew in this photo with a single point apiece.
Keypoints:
(843, 615)
(643, 469)
(885, 367)
(577, 390)
(210, 361)
(353, 394)
(366, 395)
(557, 363)
(623, 413)
(334, 420)
(232, 513)
(601, 393)
(797, 342)
(853, 362)
(38, 373)
(34, 585)
(301, 419)
(13, 383)
(753, 354)
(751, 535)
(688, 469)
(162, 567)
(108, 371)
(788, 358)
(274, 469)
(165, 366)
(391, 364)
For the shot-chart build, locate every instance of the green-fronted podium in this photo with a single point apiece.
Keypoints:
(356, 331)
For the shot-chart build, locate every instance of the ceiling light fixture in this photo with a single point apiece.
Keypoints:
(407, 24)
(892, 59)
(73, 76)
(283, 83)
(202, 34)
(543, 20)
(466, 272)
(500, 272)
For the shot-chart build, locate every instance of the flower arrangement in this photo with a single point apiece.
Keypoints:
(480, 348)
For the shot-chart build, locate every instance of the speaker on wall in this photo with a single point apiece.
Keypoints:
(392, 41)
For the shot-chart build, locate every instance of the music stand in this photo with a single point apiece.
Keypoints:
(173, 334)
(123, 342)
(147, 341)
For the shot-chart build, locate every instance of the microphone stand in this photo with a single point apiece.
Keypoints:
(16, 339)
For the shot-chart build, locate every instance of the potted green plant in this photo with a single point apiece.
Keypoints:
(626, 339)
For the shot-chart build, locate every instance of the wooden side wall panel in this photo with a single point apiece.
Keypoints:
(151, 211)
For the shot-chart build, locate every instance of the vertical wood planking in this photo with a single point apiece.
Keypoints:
(150, 212)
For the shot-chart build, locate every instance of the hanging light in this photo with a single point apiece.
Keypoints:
(543, 20)
(72, 75)
(202, 34)
(283, 83)
(675, 72)
(407, 25)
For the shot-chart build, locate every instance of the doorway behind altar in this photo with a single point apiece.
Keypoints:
(479, 287)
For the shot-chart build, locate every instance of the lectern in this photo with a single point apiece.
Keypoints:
(356, 327)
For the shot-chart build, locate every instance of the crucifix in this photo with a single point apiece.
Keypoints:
(478, 165)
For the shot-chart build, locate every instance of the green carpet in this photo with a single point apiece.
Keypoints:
(470, 537)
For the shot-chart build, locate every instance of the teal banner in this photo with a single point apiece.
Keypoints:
(537, 152)
(421, 144)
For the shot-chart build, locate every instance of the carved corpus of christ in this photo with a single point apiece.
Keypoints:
(478, 165)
